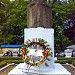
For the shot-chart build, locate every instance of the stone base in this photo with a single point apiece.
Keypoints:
(21, 70)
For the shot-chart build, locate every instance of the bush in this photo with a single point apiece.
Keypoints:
(1, 59)
(61, 61)
(2, 64)
(70, 61)
(10, 58)
(63, 58)
(14, 61)
(73, 63)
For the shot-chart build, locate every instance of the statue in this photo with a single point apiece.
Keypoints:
(39, 14)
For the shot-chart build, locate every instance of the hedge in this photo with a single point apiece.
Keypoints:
(64, 61)
(70, 61)
(10, 58)
(61, 61)
(14, 61)
(73, 63)
(1, 59)
(63, 58)
(3, 63)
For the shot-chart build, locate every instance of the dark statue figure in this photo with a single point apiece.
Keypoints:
(39, 14)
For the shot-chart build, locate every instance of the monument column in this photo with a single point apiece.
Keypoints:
(39, 15)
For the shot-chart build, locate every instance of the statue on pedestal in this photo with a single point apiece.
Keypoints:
(39, 15)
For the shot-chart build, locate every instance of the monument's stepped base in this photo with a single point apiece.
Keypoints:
(21, 70)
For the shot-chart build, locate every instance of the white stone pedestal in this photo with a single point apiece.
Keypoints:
(44, 33)
(21, 70)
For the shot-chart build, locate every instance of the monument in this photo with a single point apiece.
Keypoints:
(39, 14)
(39, 21)
(38, 49)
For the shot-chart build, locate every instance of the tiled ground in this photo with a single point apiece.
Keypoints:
(70, 69)
(5, 71)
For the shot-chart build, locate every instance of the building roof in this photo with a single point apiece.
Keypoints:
(71, 47)
(11, 46)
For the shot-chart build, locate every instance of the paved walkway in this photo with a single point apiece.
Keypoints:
(70, 69)
(7, 70)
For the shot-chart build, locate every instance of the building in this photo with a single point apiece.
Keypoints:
(14, 48)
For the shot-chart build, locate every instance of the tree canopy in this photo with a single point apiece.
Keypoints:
(13, 20)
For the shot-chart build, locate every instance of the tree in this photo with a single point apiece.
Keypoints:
(70, 22)
(3, 6)
(16, 21)
(59, 16)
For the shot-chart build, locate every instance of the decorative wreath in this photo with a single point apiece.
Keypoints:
(35, 44)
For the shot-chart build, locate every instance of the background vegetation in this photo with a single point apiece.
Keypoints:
(13, 20)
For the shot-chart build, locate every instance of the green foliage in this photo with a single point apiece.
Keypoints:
(14, 61)
(11, 58)
(13, 15)
(1, 59)
(2, 64)
(14, 20)
(69, 60)
(61, 42)
(24, 45)
(61, 61)
(73, 63)
(63, 58)
(60, 13)
(5, 60)
(42, 40)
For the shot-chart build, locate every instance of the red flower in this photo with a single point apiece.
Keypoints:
(36, 50)
(23, 51)
(45, 54)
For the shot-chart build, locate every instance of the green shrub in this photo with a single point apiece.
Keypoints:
(73, 63)
(61, 61)
(10, 58)
(63, 58)
(1, 59)
(2, 64)
(14, 61)
(70, 61)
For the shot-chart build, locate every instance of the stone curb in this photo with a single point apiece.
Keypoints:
(69, 65)
(6, 66)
